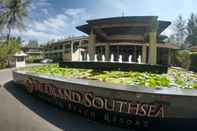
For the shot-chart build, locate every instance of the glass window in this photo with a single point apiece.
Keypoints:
(20, 59)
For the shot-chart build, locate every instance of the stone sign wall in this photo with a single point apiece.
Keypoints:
(125, 108)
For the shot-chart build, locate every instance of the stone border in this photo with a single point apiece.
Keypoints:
(125, 106)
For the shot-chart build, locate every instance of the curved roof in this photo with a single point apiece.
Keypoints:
(125, 28)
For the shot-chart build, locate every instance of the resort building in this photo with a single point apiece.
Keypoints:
(66, 50)
(193, 48)
(136, 36)
(34, 54)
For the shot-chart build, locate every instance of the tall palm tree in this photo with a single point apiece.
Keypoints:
(12, 17)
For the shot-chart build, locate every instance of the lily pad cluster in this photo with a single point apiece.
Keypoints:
(174, 78)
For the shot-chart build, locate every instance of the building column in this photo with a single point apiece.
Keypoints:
(135, 54)
(71, 50)
(63, 50)
(117, 53)
(152, 48)
(169, 57)
(152, 58)
(92, 44)
(144, 52)
(80, 42)
(107, 51)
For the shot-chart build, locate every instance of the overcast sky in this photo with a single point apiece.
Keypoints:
(55, 19)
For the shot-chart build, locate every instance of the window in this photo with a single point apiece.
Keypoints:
(67, 48)
(20, 59)
(75, 46)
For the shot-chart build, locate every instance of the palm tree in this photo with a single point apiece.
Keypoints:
(12, 17)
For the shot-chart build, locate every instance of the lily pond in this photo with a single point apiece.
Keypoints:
(176, 77)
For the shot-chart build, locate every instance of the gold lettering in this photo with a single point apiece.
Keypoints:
(137, 123)
(92, 115)
(76, 97)
(129, 122)
(80, 111)
(98, 103)
(160, 112)
(107, 105)
(146, 123)
(56, 91)
(52, 91)
(85, 112)
(133, 108)
(143, 109)
(88, 97)
(151, 110)
(37, 87)
(106, 117)
(121, 120)
(28, 84)
(46, 90)
(60, 94)
(38, 84)
(74, 108)
(114, 119)
(67, 95)
(121, 104)
(31, 86)
(69, 106)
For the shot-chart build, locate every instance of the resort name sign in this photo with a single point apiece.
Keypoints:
(91, 100)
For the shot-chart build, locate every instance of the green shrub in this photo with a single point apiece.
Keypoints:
(183, 58)
(7, 51)
(29, 59)
(195, 85)
(193, 65)
(3, 64)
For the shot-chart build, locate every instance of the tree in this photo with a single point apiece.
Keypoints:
(179, 27)
(13, 14)
(183, 58)
(192, 30)
(33, 44)
(7, 51)
(172, 38)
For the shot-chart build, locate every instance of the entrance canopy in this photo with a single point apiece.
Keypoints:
(119, 29)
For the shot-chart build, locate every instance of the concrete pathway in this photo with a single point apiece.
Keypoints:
(20, 111)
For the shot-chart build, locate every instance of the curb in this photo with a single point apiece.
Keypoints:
(6, 69)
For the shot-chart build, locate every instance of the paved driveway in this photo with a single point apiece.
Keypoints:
(20, 111)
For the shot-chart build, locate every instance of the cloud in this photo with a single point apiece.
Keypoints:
(40, 3)
(45, 11)
(32, 34)
(70, 17)
(40, 8)
(118, 6)
(35, 34)
(54, 27)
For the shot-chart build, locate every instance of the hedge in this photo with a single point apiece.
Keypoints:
(109, 66)
(182, 59)
(193, 58)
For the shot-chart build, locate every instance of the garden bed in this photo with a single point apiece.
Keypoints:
(175, 78)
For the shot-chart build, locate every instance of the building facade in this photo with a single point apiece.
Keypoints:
(34, 54)
(135, 36)
(65, 50)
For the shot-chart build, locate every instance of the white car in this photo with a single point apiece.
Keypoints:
(45, 61)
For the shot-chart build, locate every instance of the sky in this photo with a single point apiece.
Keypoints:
(57, 19)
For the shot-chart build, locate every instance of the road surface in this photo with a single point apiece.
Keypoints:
(20, 111)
